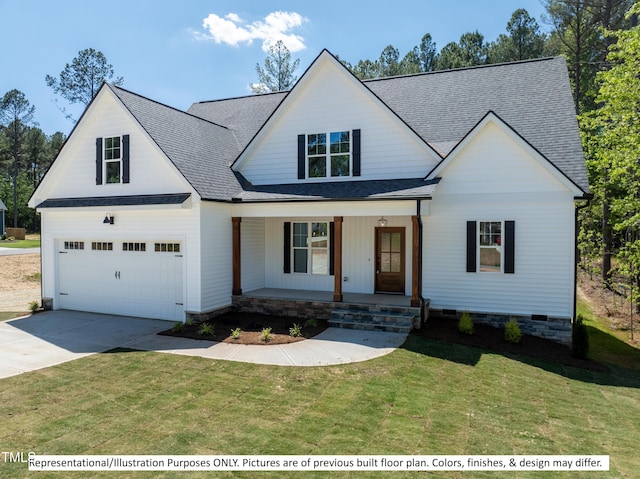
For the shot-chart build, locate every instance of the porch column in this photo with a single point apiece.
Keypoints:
(237, 283)
(337, 258)
(415, 261)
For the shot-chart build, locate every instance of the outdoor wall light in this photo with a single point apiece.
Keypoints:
(108, 219)
(382, 222)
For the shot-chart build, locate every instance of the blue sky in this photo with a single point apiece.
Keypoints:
(165, 50)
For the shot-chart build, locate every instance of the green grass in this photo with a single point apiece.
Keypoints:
(428, 397)
(607, 345)
(5, 316)
(26, 243)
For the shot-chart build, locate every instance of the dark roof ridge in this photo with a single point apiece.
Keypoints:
(240, 97)
(114, 88)
(472, 67)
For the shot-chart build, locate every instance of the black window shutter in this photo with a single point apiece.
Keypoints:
(332, 235)
(98, 161)
(509, 246)
(356, 152)
(286, 266)
(125, 158)
(471, 247)
(301, 156)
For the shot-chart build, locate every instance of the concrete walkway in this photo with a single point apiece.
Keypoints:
(54, 337)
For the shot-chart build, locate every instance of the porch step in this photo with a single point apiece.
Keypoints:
(398, 322)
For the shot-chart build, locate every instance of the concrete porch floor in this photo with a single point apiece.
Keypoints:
(327, 296)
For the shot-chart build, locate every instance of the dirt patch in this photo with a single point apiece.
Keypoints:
(487, 337)
(608, 304)
(19, 281)
(251, 326)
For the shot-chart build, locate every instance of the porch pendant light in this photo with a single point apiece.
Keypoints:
(382, 222)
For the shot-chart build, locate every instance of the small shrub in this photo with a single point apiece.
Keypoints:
(310, 323)
(295, 331)
(205, 328)
(579, 338)
(34, 306)
(235, 333)
(512, 331)
(266, 335)
(189, 321)
(177, 327)
(465, 324)
(35, 277)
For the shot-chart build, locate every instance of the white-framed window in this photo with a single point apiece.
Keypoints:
(167, 247)
(134, 246)
(102, 246)
(113, 159)
(490, 250)
(329, 154)
(74, 245)
(310, 247)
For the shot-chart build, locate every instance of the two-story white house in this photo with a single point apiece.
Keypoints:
(452, 190)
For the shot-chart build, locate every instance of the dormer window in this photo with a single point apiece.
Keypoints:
(112, 160)
(333, 159)
(329, 155)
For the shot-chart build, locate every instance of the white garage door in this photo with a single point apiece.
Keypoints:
(122, 277)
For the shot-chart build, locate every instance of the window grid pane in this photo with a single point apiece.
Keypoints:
(490, 246)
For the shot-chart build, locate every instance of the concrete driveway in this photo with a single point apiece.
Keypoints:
(14, 251)
(54, 337)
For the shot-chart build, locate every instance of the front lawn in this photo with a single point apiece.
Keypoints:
(26, 243)
(429, 397)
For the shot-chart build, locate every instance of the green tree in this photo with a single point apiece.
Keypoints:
(278, 71)
(389, 62)
(16, 113)
(427, 53)
(366, 69)
(611, 136)
(469, 51)
(524, 40)
(80, 81)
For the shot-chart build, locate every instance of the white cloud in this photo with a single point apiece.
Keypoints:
(233, 31)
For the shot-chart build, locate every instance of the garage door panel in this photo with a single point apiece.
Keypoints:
(134, 283)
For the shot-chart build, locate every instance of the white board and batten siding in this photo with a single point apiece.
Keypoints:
(150, 171)
(329, 100)
(358, 255)
(216, 269)
(494, 179)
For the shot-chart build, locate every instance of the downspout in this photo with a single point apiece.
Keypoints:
(41, 276)
(576, 255)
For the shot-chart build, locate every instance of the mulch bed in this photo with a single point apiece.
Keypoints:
(487, 337)
(251, 326)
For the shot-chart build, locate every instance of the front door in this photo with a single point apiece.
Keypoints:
(390, 261)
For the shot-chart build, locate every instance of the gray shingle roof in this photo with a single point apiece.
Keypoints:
(532, 97)
(244, 115)
(341, 190)
(106, 201)
(201, 150)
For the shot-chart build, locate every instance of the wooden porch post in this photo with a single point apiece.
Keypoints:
(415, 261)
(337, 259)
(237, 283)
